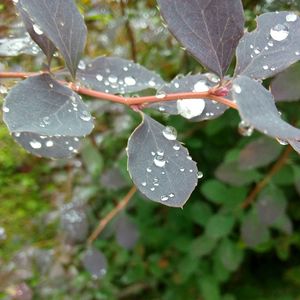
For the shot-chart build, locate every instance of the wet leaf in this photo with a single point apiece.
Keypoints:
(95, 263)
(48, 146)
(127, 232)
(62, 23)
(41, 105)
(117, 76)
(271, 48)
(286, 85)
(40, 38)
(159, 165)
(256, 106)
(192, 109)
(209, 30)
(259, 153)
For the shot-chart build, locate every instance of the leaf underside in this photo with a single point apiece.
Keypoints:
(271, 48)
(160, 168)
(208, 29)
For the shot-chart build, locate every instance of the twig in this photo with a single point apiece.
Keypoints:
(103, 223)
(262, 184)
(134, 100)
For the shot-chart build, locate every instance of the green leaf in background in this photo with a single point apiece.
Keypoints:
(219, 226)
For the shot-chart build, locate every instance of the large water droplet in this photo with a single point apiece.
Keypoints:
(170, 133)
(190, 108)
(291, 17)
(245, 129)
(201, 86)
(200, 175)
(237, 89)
(37, 29)
(129, 80)
(279, 32)
(159, 161)
(35, 144)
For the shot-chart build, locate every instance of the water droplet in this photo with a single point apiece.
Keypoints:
(51, 85)
(279, 32)
(176, 84)
(170, 133)
(291, 17)
(35, 144)
(152, 189)
(37, 29)
(144, 183)
(161, 95)
(237, 89)
(49, 144)
(159, 161)
(271, 43)
(15, 1)
(297, 53)
(245, 129)
(201, 86)
(190, 108)
(176, 147)
(129, 81)
(171, 195)
(282, 142)
(99, 77)
(200, 175)
(125, 69)
(162, 109)
(256, 50)
(5, 109)
(265, 67)
(213, 77)
(81, 65)
(113, 79)
(148, 170)
(152, 83)
(164, 198)
(85, 116)
(182, 170)
(189, 157)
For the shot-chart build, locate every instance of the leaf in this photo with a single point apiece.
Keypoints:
(270, 207)
(193, 109)
(46, 146)
(62, 23)
(253, 232)
(219, 226)
(230, 255)
(159, 166)
(117, 76)
(209, 30)
(95, 263)
(41, 105)
(230, 172)
(286, 85)
(45, 44)
(271, 48)
(202, 246)
(210, 288)
(127, 232)
(259, 153)
(295, 145)
(257, 108)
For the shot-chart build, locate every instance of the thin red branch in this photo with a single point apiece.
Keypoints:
(134, 100)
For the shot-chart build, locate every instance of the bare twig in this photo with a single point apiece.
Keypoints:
(263, 183)
(103, 222)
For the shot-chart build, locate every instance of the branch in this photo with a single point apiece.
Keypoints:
(263, 183)
(211, 94)
(102, 224)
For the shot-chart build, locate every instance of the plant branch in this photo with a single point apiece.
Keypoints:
(134, 100)
(103, 223)
(263, 183)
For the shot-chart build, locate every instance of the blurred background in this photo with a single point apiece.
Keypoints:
(211, 250)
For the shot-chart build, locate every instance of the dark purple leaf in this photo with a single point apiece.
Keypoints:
(270, 208)
(45, 44)
(253, 232)
(230, 172)
(62, 23)
(46, 146)
(74, 223)
(208, 29)
(117, 76)
(193, 109)
(112, 179)
(95, 263)
(127, 233)
(41, 105)
(271, 48)
(256, 106)
(295, 145)
(259, 153)
(286, 85)
(159, 165)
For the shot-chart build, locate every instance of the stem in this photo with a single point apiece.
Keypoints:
(263, 183)
(102, 224)
(130, 101)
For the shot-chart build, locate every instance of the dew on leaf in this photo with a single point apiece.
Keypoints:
(164, 198)
(279, 32)
(245, 129)
(159, 161)
(237, 88)
(282, 142)
(37, 29)
(170, 133)
(129, 81)
(49, 144)
(35, 144)
(99, 77)
(292, 17)
(190, 108)
(201, 86)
